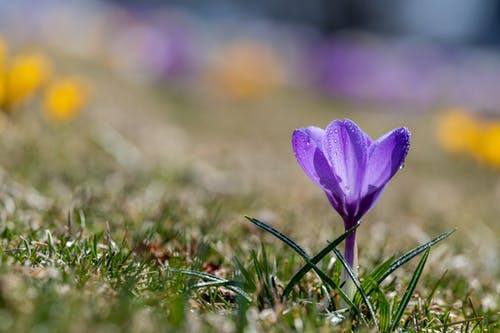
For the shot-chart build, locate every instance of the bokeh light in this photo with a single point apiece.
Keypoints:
(24, 75)
(64, 99)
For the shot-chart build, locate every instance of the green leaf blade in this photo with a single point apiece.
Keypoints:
(317, 258)
(384, 309)
(409, 290)
(413, 253)
(325, 278)
(357, 284)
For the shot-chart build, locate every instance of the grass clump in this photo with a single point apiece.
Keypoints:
(92, 243)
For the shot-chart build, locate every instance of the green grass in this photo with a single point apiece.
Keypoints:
(95, 238)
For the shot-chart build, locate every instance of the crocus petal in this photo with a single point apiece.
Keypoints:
(346, 148)
(365, 204)
(307, 145)
(385, 157)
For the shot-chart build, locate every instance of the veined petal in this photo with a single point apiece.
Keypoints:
(306, 144)
(385, 157)
(367, 201)
(346, 147)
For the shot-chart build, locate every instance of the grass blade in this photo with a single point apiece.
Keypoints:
(225, 283)
(245, 274)
(433, 291)
(317, 258)
(197, 274)
(409, 290)
(212, 278)
(265, 287)
(357, 284)
(325, 278)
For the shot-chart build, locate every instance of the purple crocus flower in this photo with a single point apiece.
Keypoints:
(352, 169)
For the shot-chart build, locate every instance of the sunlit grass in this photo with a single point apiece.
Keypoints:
(92, 241)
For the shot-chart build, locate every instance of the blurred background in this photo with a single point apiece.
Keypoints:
(417, 54)
(217, 87)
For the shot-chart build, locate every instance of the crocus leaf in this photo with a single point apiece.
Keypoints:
(382, 271)
(409, 291)
(354, 278)
(413, 253)
(370, 283)
(384, 309)
(278, 235)
(317, 258)
(325, 278)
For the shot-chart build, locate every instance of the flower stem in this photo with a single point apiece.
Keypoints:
(350, 250)
(351, 256)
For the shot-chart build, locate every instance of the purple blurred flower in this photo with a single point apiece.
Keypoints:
(352, 169)
(170, 51)
(385, 73)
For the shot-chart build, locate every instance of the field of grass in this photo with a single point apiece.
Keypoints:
(106, 221)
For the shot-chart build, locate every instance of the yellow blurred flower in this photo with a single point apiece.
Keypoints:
(2, 87)
(3, 51)
(3, 55)
(247, 69)
(488, 147)
(458, 131)
(64, 99)
(24, 76)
